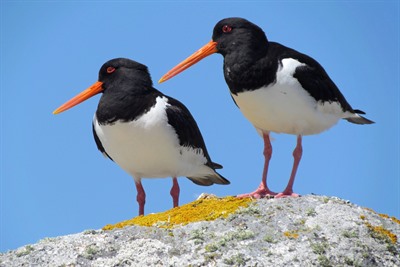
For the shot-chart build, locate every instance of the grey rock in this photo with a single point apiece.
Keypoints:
(306, 231)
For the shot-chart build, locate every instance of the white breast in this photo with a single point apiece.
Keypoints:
(285, 107)
(149, 146)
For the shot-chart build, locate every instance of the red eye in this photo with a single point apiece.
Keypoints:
(226, 28)
(110, 69)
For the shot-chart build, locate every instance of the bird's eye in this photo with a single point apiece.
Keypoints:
(226, 28)
(110, 69)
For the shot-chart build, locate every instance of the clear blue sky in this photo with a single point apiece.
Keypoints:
(55, 182)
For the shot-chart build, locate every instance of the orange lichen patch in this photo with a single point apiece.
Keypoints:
(362, 217)
(369, 209)
(291, 234)
(199, 210)
(383, 215)
(394, 219)
(382, 233)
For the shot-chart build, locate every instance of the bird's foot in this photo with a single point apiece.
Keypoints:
(260, 192)
(286, 194)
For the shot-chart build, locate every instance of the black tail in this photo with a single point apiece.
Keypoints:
(358, 119)
(215, 178)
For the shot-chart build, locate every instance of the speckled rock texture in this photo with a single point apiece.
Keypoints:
(306, 231)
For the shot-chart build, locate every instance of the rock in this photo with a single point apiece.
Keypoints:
(306, 231)
(206, 196)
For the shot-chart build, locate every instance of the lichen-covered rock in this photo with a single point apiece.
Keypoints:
(306, 231)
(205, 208)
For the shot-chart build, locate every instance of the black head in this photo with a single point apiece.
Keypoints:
(123, 69)
(233, 34)
(118, 76)
(238, 40)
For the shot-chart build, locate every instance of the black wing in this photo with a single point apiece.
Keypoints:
(189, 135)
(316, 81)
(313, 77)
(99, 144)
(186, 128)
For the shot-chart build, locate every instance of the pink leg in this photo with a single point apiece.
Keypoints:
(263, 190)
(297, 152)
(175, 192)
(141, 197)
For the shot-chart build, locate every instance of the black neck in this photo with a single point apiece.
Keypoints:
(249, 68)
(125, 104)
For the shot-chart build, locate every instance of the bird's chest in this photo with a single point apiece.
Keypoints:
(139, 134)
(138, 146)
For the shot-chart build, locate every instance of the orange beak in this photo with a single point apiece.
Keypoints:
(208, 49)
(88, 93)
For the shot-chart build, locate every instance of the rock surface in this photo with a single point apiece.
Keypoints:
(306, 231)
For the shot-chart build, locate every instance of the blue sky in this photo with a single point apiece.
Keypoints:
(55, 182)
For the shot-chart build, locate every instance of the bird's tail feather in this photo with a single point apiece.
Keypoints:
(210, 179)
(358, 119)
(216, 165)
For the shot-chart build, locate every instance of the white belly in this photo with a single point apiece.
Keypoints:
(285, 107)
(149, 147)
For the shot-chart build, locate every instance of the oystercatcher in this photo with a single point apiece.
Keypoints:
(147, 133)
(278, 89)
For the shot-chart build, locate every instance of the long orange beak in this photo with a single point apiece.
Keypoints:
(208, 49)
(88, 93)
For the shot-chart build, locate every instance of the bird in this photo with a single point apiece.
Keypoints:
(148, 134)
(277, 88)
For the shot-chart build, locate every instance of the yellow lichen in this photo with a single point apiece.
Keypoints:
(199, 210)
(383, 215)
(382, 233)
(369, 209)
(291, 234)
(394, 219)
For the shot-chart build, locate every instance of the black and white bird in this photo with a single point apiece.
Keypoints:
(277, 89)
(148, 134)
